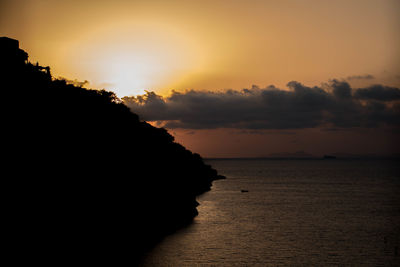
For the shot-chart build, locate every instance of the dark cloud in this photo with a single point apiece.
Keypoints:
(341, 89)
(264, 132)
(378, 92)
(361, 77)
(337, 106)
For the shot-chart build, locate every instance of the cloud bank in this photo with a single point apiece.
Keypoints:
(334, 104)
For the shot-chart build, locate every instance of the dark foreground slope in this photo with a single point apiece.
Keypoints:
(87, 181)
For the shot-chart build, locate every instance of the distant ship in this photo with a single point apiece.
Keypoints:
(329, 157)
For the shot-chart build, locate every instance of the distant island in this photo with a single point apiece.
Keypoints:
(88, 181)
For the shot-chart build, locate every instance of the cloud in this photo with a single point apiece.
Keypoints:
(378, 92)
(337, 106)
(361, 77)
(75, 82)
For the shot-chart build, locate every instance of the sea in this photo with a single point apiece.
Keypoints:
(291, 212)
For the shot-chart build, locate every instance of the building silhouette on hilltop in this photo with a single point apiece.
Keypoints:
(13, 56)
(10, 51)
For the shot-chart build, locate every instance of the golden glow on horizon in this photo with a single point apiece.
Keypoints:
(130, 58)
(129, 46)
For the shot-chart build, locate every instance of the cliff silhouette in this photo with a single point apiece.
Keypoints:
(86, 181)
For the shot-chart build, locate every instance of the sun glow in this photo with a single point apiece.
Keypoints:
(130, 60)
(130, 74)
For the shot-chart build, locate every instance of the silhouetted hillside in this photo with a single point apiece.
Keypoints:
(88, 181)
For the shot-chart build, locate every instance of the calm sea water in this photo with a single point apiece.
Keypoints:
(296, 213)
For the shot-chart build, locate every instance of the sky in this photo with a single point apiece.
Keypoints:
(232, 78)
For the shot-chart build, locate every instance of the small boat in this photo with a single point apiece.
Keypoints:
(244, 191)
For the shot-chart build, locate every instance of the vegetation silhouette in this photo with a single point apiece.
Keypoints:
(89, 182)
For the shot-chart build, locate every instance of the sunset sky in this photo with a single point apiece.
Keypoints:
(190, 53)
